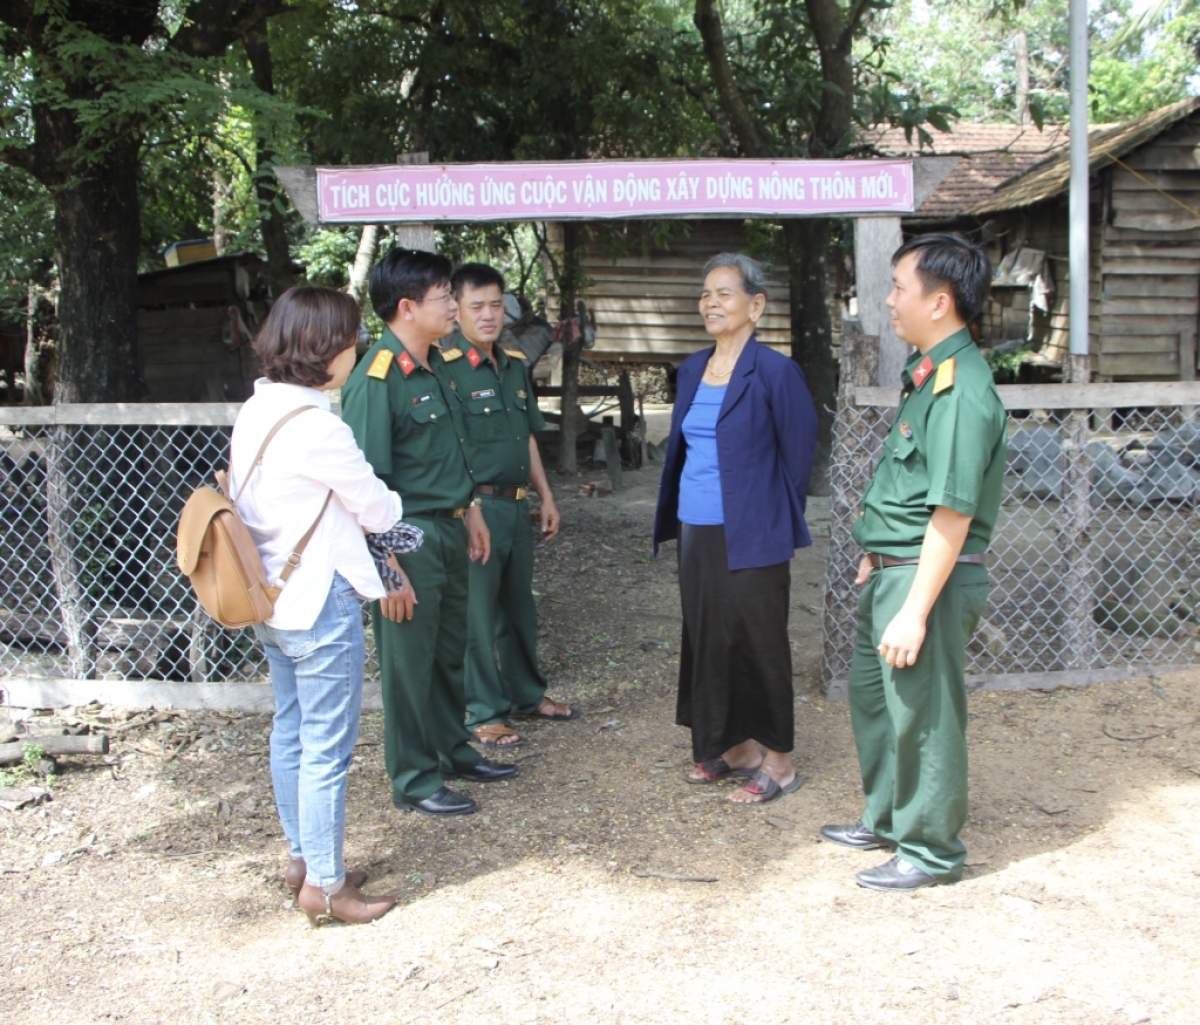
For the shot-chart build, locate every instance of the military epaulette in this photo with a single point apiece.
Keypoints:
(515, 354)
(450, 355)
(381, 364)
(945, 376)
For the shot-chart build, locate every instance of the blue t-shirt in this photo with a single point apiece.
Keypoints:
(700, 484)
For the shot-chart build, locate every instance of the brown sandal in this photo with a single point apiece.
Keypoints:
(554, 711)
(491, 734)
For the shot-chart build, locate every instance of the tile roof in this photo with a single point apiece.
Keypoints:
(1052, 177)
(991, 155)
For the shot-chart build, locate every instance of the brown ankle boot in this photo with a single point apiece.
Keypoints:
(349, 905)
(297, 870)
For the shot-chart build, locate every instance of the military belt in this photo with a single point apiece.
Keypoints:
(502, 491)
(887, 561)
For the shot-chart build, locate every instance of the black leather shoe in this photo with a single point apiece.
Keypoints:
(486, 771)
(442, 801)
(896, 874)
(858, 837)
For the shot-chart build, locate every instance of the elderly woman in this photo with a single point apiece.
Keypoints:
(312, 474)
(733, 493)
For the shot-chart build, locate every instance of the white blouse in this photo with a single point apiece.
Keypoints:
(312, 454)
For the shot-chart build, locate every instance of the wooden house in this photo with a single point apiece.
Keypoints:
(645, 291)
(195, 325)
(1144, 241)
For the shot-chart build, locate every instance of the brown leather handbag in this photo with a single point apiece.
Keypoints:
(216, 553)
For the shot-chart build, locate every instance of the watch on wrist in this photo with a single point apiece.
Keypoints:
(475, 503)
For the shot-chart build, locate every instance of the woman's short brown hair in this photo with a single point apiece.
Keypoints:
(307, 327)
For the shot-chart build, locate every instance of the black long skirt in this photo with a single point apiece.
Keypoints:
(735, 666)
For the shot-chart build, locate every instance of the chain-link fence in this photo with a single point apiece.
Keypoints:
(88, 513)
(1095, 561)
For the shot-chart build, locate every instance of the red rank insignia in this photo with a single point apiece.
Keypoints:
(406, 363)
(922, 371)
(474, 358)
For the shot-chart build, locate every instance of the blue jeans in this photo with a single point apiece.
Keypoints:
(317, 677)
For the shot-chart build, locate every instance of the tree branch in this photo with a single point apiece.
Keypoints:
(213, 25)
(715, 115)
(745, 128)
(23, 158)
(18, 14)
(854, 18)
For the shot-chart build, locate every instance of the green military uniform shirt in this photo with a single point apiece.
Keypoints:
(408, 425)
(947, 446)
(499, 411)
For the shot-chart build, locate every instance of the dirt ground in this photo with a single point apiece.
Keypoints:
(599, 887)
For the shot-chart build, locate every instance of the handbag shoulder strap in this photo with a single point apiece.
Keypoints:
(293, 560)
(263, 447)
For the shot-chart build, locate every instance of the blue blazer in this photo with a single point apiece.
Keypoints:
(766, 435)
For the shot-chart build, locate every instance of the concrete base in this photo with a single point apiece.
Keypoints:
(242, 697)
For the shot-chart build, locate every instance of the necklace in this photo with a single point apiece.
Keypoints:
(711, 370)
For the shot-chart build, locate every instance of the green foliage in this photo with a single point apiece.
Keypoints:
(965, 54)
(27, 770)
(26, 240)
(1139, 70)
(1006, 365)
(328, 254)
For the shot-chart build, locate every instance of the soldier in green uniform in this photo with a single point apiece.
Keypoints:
(399, 403)
(500, 416)
(925, 524)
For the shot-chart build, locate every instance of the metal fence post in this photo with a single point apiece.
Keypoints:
(850, 470)
(62, 512)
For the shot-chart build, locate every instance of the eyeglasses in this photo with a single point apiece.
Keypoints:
(447, 298)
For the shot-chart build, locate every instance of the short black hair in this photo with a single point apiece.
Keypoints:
(475, 275)
(405, 274)
(948, 259)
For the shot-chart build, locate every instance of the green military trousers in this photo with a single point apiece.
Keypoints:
(421, 665)
(910, 724)
(502, 674)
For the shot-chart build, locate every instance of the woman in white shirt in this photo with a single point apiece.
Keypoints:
(314, 640)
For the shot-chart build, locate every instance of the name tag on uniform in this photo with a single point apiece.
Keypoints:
(487, 393)
(422, 398)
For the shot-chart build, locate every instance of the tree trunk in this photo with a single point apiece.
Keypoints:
(39, 357)
(62, 513)
(807, 241)
(96, 228)
(266, 185)
(569, 285)
(1021, 45)
(364, 259)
